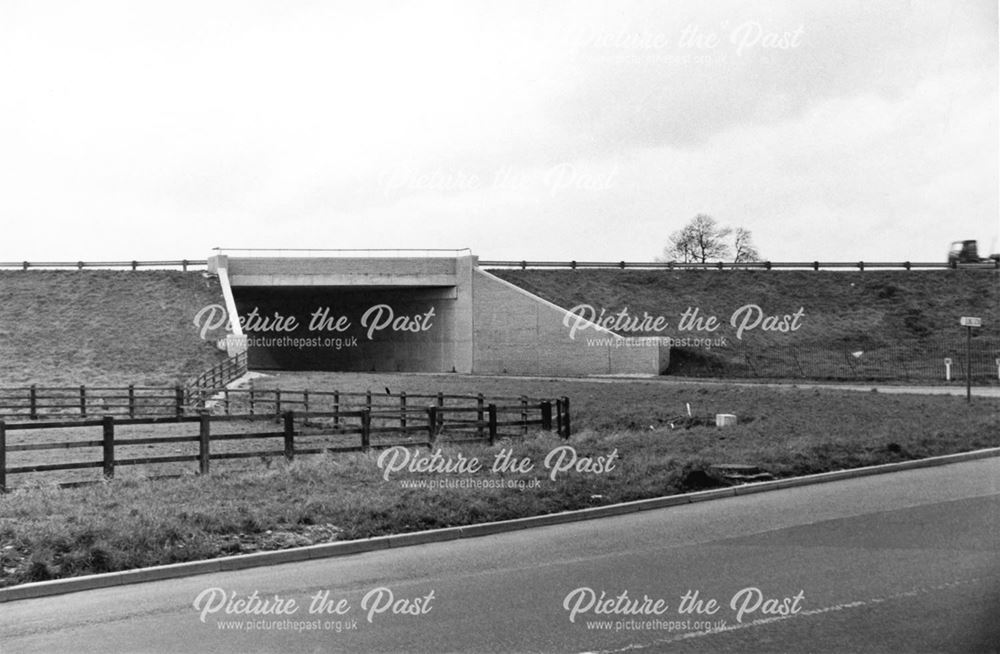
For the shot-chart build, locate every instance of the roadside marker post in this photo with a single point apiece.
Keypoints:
(969, 322)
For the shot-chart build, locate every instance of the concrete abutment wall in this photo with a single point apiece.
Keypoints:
(413, 314)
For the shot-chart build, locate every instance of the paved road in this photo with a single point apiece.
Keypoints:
(953, 389)
(906, 562)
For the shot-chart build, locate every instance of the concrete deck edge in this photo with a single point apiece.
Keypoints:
(329, 550)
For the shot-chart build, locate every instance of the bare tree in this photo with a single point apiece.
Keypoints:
(703, 239)
(700, 240)
(744, 247)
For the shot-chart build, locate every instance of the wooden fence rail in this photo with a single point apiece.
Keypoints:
(82, 402)
(431, 423)
(38, 402)
(218, 376)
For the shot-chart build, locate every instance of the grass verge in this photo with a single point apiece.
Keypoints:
(49, 533)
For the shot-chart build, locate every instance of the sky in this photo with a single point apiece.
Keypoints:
(837, 131)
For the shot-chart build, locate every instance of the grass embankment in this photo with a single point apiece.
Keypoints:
(103, 327)
(903, 323)
(45, 532)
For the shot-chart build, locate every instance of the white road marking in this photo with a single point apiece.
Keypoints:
(763, 621)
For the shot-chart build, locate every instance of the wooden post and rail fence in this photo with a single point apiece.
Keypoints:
(314, 432)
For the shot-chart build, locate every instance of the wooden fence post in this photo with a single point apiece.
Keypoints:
(204, 435)
(3, 457)
(336, 408)
(83, 401)
(546, 408)
(368, 400)
(559, 416)
(402, 409)
(108, 429)
(289, 435)
(479, 414)
(277, 402)
(131, 400)
(524, 415)
(432, 418)
(225, 395)
(366, 430)
(33, 398)
(492, 409)
(440, 414)
(566, 427)
(179, 400)
(251, 401)
(305, 400)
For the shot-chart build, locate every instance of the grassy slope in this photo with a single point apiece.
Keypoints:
(916, 310)
(103, 327)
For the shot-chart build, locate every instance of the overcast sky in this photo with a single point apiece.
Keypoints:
(538, 130)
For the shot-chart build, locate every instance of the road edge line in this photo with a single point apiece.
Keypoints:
(329, 550)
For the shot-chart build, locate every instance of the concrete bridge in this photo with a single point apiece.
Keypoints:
(403, 313)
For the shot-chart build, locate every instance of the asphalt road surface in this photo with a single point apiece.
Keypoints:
(956, 388)
(907, 562)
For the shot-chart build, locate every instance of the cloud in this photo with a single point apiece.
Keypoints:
(831, 130)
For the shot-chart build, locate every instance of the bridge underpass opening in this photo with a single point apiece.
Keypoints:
(406, 314)
(350, 329)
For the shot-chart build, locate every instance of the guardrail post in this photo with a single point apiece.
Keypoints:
(33, 398)
(566, 427)
(492, 412)
(184, 265)
(289, 418)
(366, 430)
(179, 400)
(402, 409)
(906, 264)
(131, 400)
(204, 436)
(432, 418)
(546, 408)
(3, 457)
(861, 266)
(815, 265)
(83, 401)
(108, 445)
(479, 414)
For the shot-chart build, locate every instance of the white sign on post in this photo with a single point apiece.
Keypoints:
(970, 321)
